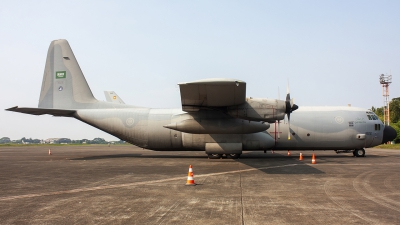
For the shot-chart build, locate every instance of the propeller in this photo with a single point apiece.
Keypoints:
(279, 122)
(290, 107)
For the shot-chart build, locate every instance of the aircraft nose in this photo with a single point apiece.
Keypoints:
(389, 134)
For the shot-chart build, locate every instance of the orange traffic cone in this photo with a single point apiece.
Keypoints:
(313, 161)
(288, 152)
(190, 180)
(49, 152)
(301, 156)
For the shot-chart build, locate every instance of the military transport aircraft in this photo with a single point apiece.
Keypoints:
(216, 117)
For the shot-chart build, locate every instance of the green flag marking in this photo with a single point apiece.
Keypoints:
(61, 74)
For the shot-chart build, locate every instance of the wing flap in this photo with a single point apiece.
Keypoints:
(42, 111)
(217, 92)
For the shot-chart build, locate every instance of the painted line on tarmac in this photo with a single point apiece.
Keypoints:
(78, 190)
(353, 164)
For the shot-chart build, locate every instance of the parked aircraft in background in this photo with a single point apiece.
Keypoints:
(216, 117)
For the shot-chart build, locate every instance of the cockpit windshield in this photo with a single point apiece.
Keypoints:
(372, 116)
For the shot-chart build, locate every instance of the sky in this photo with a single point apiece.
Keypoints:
(331, 52)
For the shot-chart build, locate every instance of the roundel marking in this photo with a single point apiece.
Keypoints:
(339, 119)
(130, 121)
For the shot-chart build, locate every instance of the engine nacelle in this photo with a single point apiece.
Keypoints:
(259, 109)
(218, 126)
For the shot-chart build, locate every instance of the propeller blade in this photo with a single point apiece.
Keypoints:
(290, 107)
(287, 87)
(288, 117)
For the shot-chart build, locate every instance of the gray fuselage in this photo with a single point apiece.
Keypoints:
(314, 128)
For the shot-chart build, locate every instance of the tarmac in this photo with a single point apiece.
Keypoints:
(130, 185)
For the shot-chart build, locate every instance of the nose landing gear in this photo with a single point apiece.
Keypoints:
(359, 152)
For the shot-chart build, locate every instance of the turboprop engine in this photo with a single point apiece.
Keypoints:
(262, 109)
(266, 110)
(214, 122)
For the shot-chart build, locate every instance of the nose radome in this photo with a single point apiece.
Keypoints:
(389, 134)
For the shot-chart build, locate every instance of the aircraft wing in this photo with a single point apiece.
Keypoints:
(208, 93)
(42, 111)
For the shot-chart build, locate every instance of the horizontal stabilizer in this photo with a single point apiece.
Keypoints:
(111, 96)
(41, 111)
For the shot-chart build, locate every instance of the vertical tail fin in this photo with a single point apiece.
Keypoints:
(63, 85)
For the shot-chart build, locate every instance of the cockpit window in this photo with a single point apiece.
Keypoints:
(372, 116)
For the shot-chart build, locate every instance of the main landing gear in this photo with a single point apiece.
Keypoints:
(219, 156)
(356, 152)
(359, 152)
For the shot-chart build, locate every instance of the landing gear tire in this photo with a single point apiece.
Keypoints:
(359, 153)
(232, 156)
(214, 156)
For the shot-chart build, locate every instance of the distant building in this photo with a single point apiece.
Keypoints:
(57, 141)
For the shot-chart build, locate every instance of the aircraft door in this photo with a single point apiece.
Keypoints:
(359, 132)
(368, 134)
(373, 133)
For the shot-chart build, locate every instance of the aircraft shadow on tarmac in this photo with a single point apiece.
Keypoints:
(277, 163)
(267, 163)
(139, 156)
(97, 157)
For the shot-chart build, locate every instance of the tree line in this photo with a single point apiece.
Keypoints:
(394, 115)
(7, 140)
